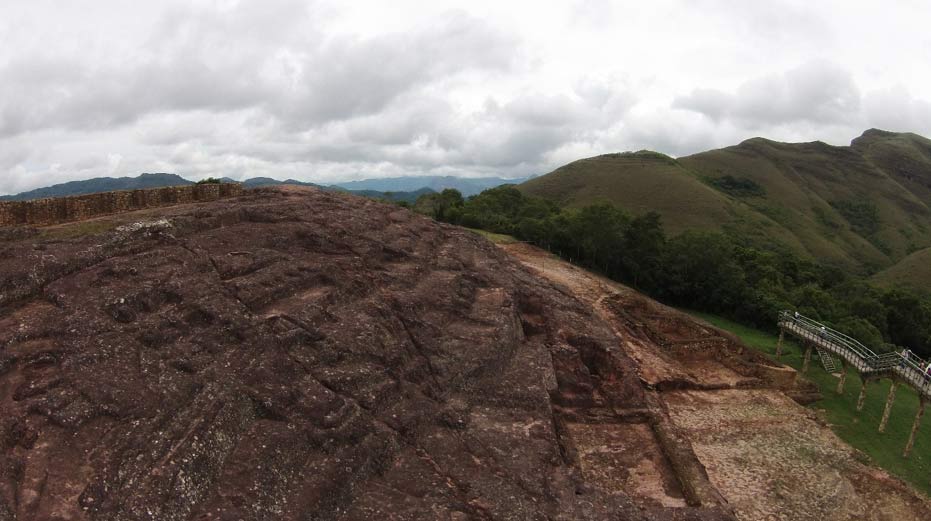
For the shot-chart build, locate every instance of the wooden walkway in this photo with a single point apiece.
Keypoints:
(902, 370)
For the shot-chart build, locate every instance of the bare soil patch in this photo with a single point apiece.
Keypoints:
(774, 461)
(627, 457)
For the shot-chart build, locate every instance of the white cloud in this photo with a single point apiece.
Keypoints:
(817, 92)
(323, 90)
(896, 108)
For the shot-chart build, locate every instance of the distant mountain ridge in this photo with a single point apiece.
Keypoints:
(466, 185)
(396, 188)
(864, 207)
(268, 181)
(101, 184)
(159, 180)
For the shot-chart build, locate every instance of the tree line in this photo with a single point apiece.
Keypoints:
(702, 270)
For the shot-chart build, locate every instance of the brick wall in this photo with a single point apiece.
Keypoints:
(44, 212)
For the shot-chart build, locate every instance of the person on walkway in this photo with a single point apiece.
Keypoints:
(905, 354)
(823, 332)
(928, 371)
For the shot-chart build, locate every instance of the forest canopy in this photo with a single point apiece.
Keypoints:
(701, 270)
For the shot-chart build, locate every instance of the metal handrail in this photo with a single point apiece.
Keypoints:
(907, 364)
(915, 362)
(825, 332)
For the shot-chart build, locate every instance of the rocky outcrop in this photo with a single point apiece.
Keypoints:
(295, 354)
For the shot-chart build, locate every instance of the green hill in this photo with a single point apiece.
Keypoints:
(912, 272)
(904, 157)
(862, 207)
(638, 181)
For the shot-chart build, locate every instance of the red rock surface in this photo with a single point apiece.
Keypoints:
(294, 354)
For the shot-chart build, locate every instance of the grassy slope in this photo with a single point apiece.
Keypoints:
(857, 429)
(496, 238)
(78, 229)
(801, 181)
(641, 182)
(905, 157)
(913, 272)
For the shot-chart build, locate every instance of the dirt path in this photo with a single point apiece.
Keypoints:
(764, 453)
(655, 366)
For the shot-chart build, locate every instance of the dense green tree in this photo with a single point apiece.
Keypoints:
(447, 203)
(701, 270)
(442, 206)
(909, 320)
(862, 330)
(537, 231)
(642, 250)
(813, 301)
(596, 232)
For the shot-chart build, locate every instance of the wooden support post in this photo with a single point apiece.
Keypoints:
(843, 377)
(888, 409)
(782, 333)
(807, 361)
(911, 437)
(862, 398)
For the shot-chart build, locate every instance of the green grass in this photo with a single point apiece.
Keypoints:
(497, 238)
(857, 429)
(639, 183)
(913, 272)
(78, 229)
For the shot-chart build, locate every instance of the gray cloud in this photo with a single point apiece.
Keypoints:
(783, 22)
(818, 92)
(195, 59)
(349, 77)
(223, 63)
(896, 108)
(324, 90)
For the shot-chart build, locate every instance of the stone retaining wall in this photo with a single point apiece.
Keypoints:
(44, 212)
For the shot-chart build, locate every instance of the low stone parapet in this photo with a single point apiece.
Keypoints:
(56, 210)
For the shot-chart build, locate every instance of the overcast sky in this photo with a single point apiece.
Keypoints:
(328, 91)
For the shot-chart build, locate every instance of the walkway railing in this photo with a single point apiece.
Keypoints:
(901, 367)
(909, 367)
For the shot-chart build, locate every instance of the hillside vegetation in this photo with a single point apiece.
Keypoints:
(639, 181)
(862, 207)
(705, 270)
(913, 272)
